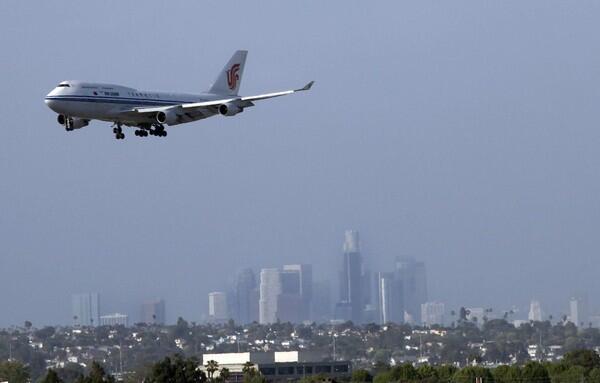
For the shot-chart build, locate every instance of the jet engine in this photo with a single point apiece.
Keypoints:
(168, 117)
(72, 123)
(229, 109)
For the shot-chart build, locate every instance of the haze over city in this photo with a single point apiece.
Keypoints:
(462, 134)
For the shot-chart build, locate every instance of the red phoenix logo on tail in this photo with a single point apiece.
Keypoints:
(233, 76)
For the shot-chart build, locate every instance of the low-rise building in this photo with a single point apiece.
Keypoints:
(278, 366)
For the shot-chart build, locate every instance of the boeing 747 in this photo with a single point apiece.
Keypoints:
(77, 103)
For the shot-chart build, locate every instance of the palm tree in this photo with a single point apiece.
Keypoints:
(211, 367)
(224, 374)
(248, 368)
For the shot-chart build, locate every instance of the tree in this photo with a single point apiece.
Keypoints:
(445, 372)
(361, 376)
(588, 359)
(51, 377)
(534, 372)
(211, 367)
(224, 374)
(594, 376)
(507, 374)
(98, 375)
(248, 368)
(427, 374)
(13, 372)
(469, 374)
(176, 370)
(70, 372)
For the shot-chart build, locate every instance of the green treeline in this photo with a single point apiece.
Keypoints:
(579, 366)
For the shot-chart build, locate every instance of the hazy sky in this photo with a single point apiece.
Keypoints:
(463, 133)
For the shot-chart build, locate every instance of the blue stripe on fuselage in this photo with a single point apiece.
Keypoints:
(116, 100)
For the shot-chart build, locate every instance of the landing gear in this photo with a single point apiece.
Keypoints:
(159, 130)
(118, 131)
(68, 124)
(141, 133)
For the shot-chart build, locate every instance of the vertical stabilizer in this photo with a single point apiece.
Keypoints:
(230, 78)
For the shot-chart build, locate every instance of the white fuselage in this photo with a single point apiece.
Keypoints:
(115, 103)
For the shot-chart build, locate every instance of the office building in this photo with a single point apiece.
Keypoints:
(115, 319)
(217, 307)
(86, 309)
(246, 297)
(321, 302)
(390, 306)
(153, 312)
(432, 313)
(351, 292)
(270, 289)
(280, 366)
(305, 288)
(289, 301)
(535, 311)
(412, 275)
(578, 311)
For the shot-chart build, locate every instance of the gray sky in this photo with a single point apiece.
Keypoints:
(462, 133)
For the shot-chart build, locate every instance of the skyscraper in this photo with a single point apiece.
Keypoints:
(270, 289)
(86, 309)
(535, 311)
(289, 301)
(217, 306)
(389, 298)
(414, 285)
(321, 302)
(578, 310)
(245, 305)
(153, 312)
(305, 287)
(351, 292)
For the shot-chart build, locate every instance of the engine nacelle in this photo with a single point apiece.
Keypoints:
(168, 117)
(72, 123)
(229, 109)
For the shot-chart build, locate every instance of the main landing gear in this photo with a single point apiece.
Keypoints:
(157, 130)
(143, 130)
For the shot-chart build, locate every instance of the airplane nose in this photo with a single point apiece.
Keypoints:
(52, 104)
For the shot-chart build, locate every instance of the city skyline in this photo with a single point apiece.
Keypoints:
(287, 294)
(477, 155)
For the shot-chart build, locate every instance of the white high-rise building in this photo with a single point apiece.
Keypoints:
(217, 306)
(432, 313)
(578, 311)
(86, 309)
(270, 289)
(535, 311)
(389, 299)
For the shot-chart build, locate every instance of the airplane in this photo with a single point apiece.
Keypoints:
(77, 103)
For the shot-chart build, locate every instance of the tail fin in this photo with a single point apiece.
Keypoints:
(228, 82)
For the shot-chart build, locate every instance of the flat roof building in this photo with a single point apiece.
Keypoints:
(279, 366)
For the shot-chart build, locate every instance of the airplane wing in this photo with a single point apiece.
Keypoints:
(210, 105)
(277, 94)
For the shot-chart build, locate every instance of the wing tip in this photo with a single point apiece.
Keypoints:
(308, 86)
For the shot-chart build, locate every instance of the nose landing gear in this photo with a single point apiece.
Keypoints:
(118, 131)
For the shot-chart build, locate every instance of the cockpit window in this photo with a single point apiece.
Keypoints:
(63, 85)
